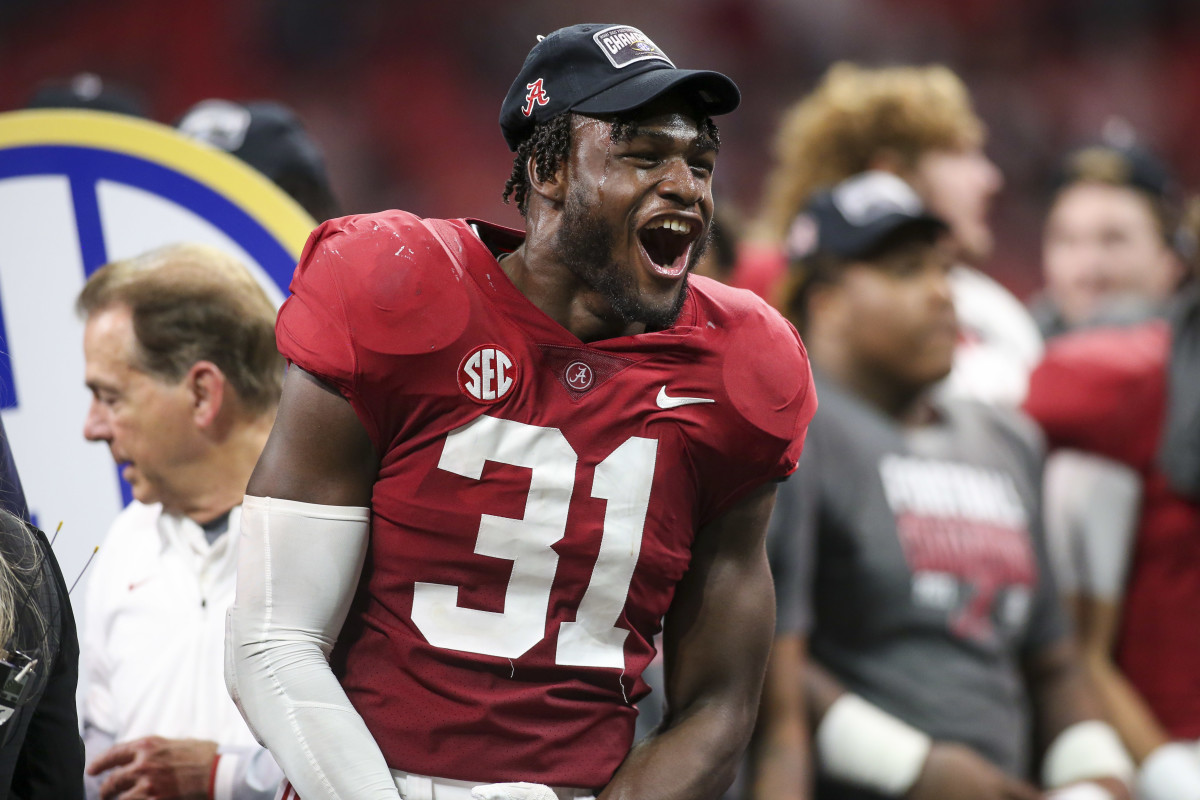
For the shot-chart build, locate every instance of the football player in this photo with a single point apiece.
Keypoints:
(503, 457)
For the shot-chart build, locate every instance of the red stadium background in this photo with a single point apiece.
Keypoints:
(404, 96)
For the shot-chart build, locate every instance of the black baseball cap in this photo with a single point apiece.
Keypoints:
(269, 137)
(1121, 163)
(87, 90)
(855, 218)
(603, 69)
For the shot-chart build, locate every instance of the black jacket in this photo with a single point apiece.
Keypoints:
(41, 753)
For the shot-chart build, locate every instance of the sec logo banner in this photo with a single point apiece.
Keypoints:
(79, 189)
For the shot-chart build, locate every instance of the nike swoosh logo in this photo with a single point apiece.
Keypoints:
(665, 401)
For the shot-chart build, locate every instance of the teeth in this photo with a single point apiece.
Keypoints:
(674, 225)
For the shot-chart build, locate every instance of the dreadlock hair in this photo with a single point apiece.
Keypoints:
(549, 143)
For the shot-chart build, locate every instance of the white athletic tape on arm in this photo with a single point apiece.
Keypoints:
(1171, 772)
(298, 568)
(860, 744)
(513, 791)
(1084, 751)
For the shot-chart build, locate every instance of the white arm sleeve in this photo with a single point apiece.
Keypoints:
(298, 568)
(1091, 515)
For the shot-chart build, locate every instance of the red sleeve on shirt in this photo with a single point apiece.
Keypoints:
(369, 292)
(311, 329)
(769, 383)
(1102, 391)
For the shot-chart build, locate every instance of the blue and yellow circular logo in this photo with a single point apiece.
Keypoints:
(79, 189)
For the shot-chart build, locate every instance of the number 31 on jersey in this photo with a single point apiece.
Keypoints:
(623, 479)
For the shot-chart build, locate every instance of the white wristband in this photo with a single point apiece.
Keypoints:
(1086, 750)
(1081, 791)
(860, 744)
(1171, 772)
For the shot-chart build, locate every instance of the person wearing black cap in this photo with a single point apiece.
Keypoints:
(502, 457)
(1110, 253)
(269, 137)
(906, 547)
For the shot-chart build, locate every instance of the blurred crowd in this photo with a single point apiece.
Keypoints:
(1045, 77)
(994, 533)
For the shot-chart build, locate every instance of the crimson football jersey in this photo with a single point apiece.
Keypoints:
(537, 495)
(1104, 391)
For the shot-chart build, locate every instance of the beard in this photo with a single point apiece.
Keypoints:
(585, 244)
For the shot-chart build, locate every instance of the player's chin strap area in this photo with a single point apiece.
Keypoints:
(298, 568)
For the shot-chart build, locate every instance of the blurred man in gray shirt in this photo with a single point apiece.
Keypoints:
(918, 628)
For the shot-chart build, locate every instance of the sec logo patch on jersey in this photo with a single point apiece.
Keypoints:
(487, 374)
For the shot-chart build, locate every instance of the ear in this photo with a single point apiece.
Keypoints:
(553, 188)
(206, 385)
(827, 303)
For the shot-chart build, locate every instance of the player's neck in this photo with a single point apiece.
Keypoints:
(905, 405)
(562, 296)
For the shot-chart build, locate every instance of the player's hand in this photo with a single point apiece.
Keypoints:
(513, 791)
(955, 772)
(155, 768)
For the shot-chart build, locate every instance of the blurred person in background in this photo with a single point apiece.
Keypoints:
(918, 123)
(41, 754)
(919, 634)
(269, 137)
(1109, 247)
(1122, 404)
(180, 358)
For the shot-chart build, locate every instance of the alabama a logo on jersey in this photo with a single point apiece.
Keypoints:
(487, 374)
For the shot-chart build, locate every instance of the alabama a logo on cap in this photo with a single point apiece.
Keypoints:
(625, 45)
(487, 374)
(536, 96)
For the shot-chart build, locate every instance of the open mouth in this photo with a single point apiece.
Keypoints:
(667, 244)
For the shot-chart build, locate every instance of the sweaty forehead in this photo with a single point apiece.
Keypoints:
(670, 127)
(667, 128)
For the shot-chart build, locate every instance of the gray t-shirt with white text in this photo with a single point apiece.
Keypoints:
(912, 560)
